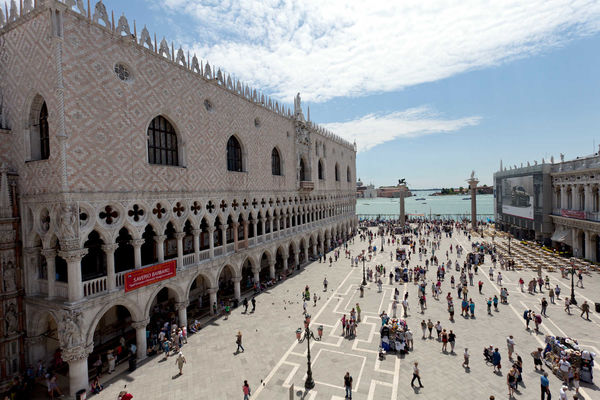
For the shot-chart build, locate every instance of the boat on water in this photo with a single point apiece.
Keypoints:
(466, 198)
(420, 199)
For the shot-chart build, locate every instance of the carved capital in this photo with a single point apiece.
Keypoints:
(179, 235)
(140, 324)
(49, 253)
(77, 353)
(211, 229)
(32, 251)
(110, 248)
(181, 305)
(196, 232)
(160, 239)
(212, 290)
(71, 256)
(137, 242)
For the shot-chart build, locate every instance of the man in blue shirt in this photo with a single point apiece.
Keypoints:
(496, 359)
(545, 386)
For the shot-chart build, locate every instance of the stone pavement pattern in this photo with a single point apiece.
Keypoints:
(274, 357)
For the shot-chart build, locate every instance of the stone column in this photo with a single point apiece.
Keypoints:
(196, 233)
(473, 186)
(588, 245)
(575, 198)
(223, 238)
(179, 236)
(323, 246)
(256, 275)
(137, 252)
(285, 262)
(181, 308)
(255, 230)
(272, 270)
(36, 347)
(211, 241)
(73, 259)
(109, 250)
(576, 247)
(160, 247)
(77, 358)
(50, 255)
(271, 225)
(314, 250)
(306, 254)
(245, 225)
(564, 203)
(140, 338)
(236, 225)
(297, 258)
(589, 198)
(212, 293)
(236, 287)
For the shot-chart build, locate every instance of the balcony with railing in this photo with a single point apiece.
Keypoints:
(306, 186)
(189, 259)
(94, 286)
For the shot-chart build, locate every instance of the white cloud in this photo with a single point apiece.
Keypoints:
(326, 49)
(374, 129)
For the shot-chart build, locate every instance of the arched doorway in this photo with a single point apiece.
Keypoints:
(247, 282)
(124, 254)
(291, 261)
(199, 298)
(93, 264)
(265, 273)
(148, 248)
(279, 257)
(115, 336)
(225, 284)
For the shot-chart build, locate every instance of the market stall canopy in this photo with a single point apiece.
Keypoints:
(562, 235)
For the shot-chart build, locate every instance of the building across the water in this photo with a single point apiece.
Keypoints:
(557, 202)
(139, 182)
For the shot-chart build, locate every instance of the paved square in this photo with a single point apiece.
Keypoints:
(274, 360)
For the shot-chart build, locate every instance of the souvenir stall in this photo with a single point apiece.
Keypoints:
(557, 347)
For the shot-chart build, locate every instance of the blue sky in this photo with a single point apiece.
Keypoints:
(428, 92)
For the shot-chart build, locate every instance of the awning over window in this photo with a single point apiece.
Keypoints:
(563, 235)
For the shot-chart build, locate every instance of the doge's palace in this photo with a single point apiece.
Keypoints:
(148, 183)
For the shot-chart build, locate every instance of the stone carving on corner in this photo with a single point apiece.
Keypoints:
(180, 59)
(69, 333)
(101, 14)
(302, 135)
(11, 319)
(9, 275)
(77, 353)
(195, 65)
(67, 221)
(163, 50)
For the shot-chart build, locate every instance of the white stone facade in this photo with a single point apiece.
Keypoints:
(92, 199)
(576, 204)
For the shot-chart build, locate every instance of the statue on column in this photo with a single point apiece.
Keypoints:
(69, 332)
(67, 221)
(10, 284)
(11, 319)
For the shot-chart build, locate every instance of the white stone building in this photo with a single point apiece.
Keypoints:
(130, 152)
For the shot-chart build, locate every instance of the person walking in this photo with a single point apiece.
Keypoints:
(510, 344)
(496, 359)
(444, 341)
(253, 304)
(238, 341)
(325, 283)
(405, 307)
(315, 300)
(409, 339)
(466, 356)
(179, 361)
(429, 327)
(568, 305)
(537, 359)
(544, 306)
(423, 327)
(495, 300)
(545, 386)
(348, 385)
(489, 306)
(416, 375)
(245, 304)
(246, 390)
(551, 295)
(585, 309)
(357, 312)
(394, 307)
(451, 340)
(438, 328)
(579, 280)
(480, 284)
(511, 381)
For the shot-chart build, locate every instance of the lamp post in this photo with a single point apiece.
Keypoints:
(572, 272)
(308, 334)
(364, 282)
(509, 237)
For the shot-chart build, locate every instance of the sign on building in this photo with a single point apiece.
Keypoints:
(149, 275)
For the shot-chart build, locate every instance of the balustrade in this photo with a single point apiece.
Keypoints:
(189, 259)
(94, 286)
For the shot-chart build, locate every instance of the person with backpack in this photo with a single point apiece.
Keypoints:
(527, 317)
(246, 390)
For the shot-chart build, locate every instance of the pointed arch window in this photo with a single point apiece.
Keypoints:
(234, 155)
(337, 173)
(162, 142)
(321, 172)
(275, 162)
(302, 170)
(44, 134)
(348, 174)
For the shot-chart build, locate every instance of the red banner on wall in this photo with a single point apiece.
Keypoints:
(573, 214)
(147, 276)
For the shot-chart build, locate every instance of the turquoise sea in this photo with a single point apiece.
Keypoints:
(450, 206)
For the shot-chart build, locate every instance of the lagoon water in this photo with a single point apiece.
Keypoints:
(445, 205)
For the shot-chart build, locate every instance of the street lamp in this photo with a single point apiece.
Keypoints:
(308, 334)
(572, 272)
(364, 282)
(509, 237)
